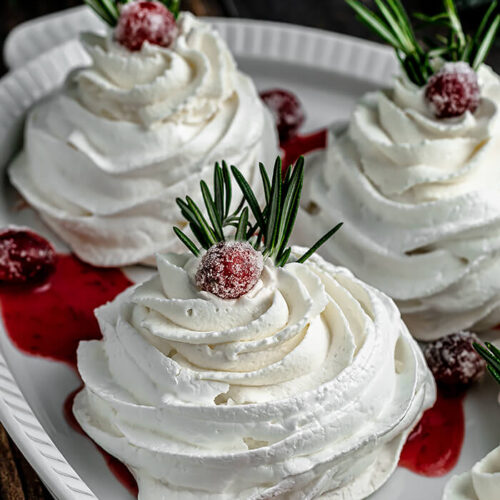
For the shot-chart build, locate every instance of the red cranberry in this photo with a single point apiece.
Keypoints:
(25, 257)
(287, 110)
(229, 269)
(454, 362)
(453, 90)
(141, 22)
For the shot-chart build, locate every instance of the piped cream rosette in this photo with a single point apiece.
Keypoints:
(105, 158)
(306, 387)
(420, 198)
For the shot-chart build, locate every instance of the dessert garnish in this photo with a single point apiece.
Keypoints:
(492, 356)
(268, 232)
(140, 21)
(230, 269)
(287, 111)
(25, 257)
(451, 89)
(454, 362)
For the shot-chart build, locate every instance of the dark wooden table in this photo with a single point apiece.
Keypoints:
(18, 481)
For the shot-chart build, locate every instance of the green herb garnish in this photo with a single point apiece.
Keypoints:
(492, 356)
(391, 22)
(267, 228)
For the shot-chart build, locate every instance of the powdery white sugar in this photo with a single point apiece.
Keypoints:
(453, 359)
(453, 90)
(230, 269)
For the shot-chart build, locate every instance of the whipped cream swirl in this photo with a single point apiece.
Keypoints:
(482, 483)
(105, 158)
(420, 199)
(307, 385)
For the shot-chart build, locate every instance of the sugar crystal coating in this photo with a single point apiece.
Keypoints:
(453, 360)
(141, 22)
(453, 90)
(25, 257)
(229, 269)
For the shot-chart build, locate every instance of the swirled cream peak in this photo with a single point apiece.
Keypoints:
(420, 200)
(309, 384)
(482, 483)
(185, 84)
(105, 158)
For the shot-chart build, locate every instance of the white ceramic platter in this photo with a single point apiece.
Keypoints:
(329, 72)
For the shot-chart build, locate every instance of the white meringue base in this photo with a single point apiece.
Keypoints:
(135, 232)
(304, 388)
(106, 157)
(438, 292)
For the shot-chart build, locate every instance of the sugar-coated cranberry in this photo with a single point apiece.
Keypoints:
(453, 90)
(25, 257)
(229, 269)
(141, 22)
(454, 362)
(287, 110)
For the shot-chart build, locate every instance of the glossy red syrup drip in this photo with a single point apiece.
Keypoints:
(49, 320)
(434, 446)
(301, 145)
(118, 469)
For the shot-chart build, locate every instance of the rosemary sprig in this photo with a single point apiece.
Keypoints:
(492, 356)
(458, 46)
(217, 207)
(392, 23)
(109, 10)
(272, 224)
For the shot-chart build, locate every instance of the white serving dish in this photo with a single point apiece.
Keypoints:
(329, 72)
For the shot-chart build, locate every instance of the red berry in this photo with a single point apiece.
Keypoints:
(229, 269)
(454, 362)
(287, 110)
(141, 22)
(453, 90)
(25, 257)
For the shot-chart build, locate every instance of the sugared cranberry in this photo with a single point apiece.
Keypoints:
(25, 257)
(454, 362)
(453, 90)
(287, 110)
(229, 269)
(141, 22)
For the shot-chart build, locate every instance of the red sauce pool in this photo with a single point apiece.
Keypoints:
(50, 320)
(301, 145)
(434, 446)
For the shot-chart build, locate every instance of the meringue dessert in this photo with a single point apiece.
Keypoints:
(105, 157)
(414, 175)
(251, 370)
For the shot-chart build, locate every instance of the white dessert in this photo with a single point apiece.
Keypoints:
(482, 483)
(420, 199)
(105, 158)
(305, 387)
